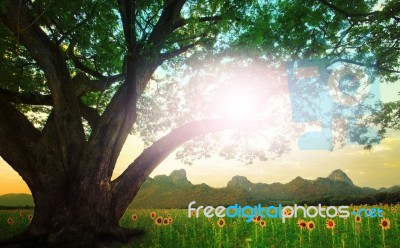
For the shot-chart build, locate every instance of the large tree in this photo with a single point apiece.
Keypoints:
(75, 82)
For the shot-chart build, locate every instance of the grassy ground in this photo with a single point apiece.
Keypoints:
(177, 230)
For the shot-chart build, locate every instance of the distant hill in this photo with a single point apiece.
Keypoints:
(339, 175)
(16, 200)
(176, 191)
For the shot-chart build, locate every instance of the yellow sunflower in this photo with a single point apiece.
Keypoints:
(166, 221)
(330, 224)
(302, 224)
(134, 217)
(10, 221)
(221, 222)
(310, 225)
(385, 224)
(262, 223)
(153, 215)
(158, 221)
(357, 219)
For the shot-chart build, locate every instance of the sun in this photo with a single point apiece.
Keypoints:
(237, 93)
(237, 104)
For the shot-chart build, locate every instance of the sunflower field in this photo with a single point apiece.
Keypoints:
(173, 228)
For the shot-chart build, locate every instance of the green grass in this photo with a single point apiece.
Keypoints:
(202, 232)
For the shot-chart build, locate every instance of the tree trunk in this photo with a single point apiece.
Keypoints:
(85, 216)
(66, 216)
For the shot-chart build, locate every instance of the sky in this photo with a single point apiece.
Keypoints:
(377, 168)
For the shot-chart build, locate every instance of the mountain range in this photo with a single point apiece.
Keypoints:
(176, 191)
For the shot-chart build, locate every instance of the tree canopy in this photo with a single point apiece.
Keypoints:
(94, 39)
(77, 77)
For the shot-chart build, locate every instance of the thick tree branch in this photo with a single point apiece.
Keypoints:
(140, 169)
(108, 136)
(18, 138)
(344, 12)
(114, 126)
(116, 122)
(178, 23)
(172, 54)
(102, 84)
(28, 98)
(171, 14)
(45, 52)
(127, 9)
(90, 114)
(83, 84)
(50, 59)
(389, 11)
